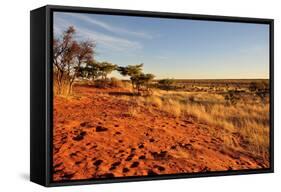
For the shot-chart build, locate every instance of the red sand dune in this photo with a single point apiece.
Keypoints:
(95, 138)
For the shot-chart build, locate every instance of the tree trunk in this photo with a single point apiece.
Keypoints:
(70, 88)
(60, 79)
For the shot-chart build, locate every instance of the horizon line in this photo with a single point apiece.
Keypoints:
(208, 79)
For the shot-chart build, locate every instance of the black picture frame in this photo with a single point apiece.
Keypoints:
(41, 95)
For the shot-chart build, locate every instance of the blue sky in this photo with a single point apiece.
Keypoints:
(173, 48)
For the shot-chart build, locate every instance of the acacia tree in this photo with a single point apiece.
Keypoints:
(60, 48)
(90, 71)
(138, 79)
(132, 71)
(93, 70)
(143, 81)
(106, 68)
(68, 57)
(82, 54)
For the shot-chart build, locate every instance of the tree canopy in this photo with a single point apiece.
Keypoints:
(75, 59)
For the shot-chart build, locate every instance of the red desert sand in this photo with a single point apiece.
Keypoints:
(95, 137)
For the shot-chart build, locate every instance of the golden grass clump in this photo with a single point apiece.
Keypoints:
(247, 118)
(173, 107)
(64, 88)
(154, 101)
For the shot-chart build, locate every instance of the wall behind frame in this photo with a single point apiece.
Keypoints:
(14, 101)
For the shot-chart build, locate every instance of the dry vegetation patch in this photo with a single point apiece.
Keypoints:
(247, 120)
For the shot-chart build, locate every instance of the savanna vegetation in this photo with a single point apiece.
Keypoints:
(74, 60)
(233, 111)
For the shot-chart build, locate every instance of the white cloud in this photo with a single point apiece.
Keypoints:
(107, 41)
(115, 43)
(108, 27)
(161, 57)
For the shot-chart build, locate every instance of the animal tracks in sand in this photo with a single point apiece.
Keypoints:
(99, 142)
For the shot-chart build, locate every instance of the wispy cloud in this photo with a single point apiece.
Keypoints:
(106, 41)
(109, 27)
(116, 43)
(162, 57)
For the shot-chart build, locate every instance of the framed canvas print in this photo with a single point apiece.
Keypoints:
(119, 95)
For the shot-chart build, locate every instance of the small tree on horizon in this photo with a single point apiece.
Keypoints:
(166, 83)
(132, 71)
(93, 70)
(90, 71)
(144, 80)
(106, 68)
(137, 77)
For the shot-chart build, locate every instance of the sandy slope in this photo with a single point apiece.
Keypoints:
(95, 137)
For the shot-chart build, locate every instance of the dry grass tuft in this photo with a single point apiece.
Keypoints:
(154, 101)
(172, 107)
(248, 119)
(131, 112)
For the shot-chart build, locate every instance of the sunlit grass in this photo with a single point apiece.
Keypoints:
(248, 118)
